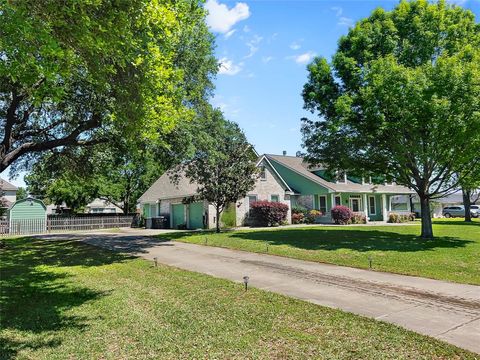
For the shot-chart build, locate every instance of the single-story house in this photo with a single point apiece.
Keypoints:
(8, 193)
(287, 179)
(99, 206)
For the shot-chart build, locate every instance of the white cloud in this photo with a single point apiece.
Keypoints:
(246, 29)
(228, 67)
(267, 59)
(253, 45)
(229, 106)
(295, 46)
(457, 2)
(221, 19)
(230, 33)
(303, 58)
(342, 20)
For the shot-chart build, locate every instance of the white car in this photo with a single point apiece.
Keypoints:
(475, 210)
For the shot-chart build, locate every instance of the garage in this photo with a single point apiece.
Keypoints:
(195, 215)
(178, 215)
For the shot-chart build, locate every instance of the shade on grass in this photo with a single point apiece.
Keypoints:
(453, 255)
(67, 300)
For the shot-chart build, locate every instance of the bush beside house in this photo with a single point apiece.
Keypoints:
(267, 213)
(341, 215)
(401, 218)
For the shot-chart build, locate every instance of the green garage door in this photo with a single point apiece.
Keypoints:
(178, 215)
(195, 215)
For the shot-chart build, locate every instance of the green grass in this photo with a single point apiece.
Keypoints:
(453, 255)
(68, 300)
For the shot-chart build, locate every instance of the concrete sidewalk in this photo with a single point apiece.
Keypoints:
(447, 311)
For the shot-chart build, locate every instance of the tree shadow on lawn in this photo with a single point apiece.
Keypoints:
(328, 238)
(34, 298)
(357, 240)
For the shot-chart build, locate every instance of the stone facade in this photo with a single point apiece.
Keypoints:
(263, 190)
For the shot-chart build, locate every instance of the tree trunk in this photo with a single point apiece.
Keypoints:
(218, 219)
(427, 229)
(466, 203)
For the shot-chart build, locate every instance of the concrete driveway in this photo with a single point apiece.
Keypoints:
(446, 311)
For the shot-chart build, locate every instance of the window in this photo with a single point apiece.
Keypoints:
(355, 203)
(338, 200)
(251, 199)
(263, 173)
(322, 202)
(371, 205)
(274, 198)
(341, 177)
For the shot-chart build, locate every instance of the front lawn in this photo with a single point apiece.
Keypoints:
(453, 255)
(67, 300)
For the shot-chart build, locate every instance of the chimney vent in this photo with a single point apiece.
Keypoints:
(284, 153)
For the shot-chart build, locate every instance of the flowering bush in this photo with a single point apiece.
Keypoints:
(312, 215)
(341, 214)
(358, 218)
(266, 213)
(298, 218)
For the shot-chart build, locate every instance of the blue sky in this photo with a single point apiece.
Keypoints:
(264, 47)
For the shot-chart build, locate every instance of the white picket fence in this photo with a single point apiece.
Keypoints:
(63, 224)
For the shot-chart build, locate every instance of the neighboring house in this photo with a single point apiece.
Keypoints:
(287, 179)
(99, 206)
(437, 205)
(8, 193)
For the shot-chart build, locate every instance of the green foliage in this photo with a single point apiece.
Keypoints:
(228, 218)
(401, 99)
(400, 218)
(222, 165)
(86, 71)
(21, 193)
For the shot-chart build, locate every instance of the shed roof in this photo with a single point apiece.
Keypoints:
(166, 188)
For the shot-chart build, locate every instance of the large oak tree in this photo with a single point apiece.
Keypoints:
(78, 72)
(401, 99)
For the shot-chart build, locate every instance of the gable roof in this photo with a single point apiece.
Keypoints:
(284, 183)
(165, 188)
(299, 166)
(5, 185)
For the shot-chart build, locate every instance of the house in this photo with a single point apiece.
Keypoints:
(287, 179)
(99, 206)
(8, 195)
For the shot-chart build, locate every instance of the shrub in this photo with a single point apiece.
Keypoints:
(341, 214)
(299, 210)
(400, 218)
(298, 218)
(312, 215)
(266, 213)
(358, 218)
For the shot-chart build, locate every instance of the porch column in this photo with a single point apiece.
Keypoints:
(384, 207)
(333, 201)
(365, 207)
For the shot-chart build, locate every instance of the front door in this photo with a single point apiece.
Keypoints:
(355, 204)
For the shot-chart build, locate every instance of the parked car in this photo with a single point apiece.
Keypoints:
(459, 211)
(475, 210)
(454, 211)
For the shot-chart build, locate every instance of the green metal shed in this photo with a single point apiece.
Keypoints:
(27, 216)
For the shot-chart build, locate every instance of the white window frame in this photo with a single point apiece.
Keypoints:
(263, 173)
(335, 200)
(374, 205)
(319, 203)
(355, 197)
(278, 197)
(250, 202)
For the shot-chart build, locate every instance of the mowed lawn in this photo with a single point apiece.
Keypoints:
(453, 255)
(67, 300)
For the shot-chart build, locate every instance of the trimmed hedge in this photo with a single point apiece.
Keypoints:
(341, 215)
(400, 218)
(267, 213)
